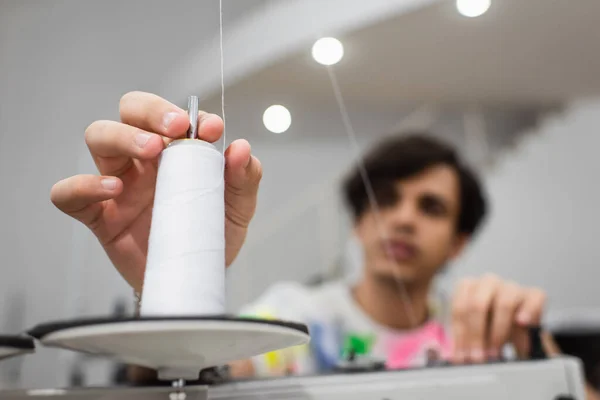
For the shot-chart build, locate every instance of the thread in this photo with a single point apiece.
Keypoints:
(339, 98)
(222, 57)
(185, 269)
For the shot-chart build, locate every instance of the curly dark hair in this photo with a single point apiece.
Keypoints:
(401, 157)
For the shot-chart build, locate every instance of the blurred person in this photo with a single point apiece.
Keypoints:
(425, 207)
(431, 205)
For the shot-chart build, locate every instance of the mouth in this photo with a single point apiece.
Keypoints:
(400, 250)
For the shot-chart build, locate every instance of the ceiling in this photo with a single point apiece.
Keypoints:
(512, 55)
(521, 52)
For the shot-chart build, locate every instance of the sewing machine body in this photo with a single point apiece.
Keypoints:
(526, 380)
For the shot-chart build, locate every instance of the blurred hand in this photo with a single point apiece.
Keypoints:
(488, 313)
(552, 350)
(117, 205)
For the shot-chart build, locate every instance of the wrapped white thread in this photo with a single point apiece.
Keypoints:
(185, 269)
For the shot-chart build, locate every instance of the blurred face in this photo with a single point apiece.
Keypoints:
(418, 218)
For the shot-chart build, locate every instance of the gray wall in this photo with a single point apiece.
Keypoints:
(545, 226)
(541, 231)
(64, 64)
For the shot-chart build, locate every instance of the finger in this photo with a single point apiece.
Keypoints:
(459, 344)
(80, 196)
(506, 303)
(152, 113)
(531, 310)
(480, 307)
(243, 171)
(521, 341)
(111, 139)
(528, 314)
(549, 344)
(210, 126)
(460, 315)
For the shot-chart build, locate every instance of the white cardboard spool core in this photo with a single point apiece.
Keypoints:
(185, 270)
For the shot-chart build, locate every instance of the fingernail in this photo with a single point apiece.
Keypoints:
(109, 183)
(142, 138)
(205, 118)
(168, 118)
(523, 318)
(477, 354)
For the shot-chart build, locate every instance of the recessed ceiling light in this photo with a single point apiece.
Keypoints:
(473, 8)
(277, 119)
(328, 51)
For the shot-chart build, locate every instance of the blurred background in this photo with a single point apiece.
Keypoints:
(514, 84)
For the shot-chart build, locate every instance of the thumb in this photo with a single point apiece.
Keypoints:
(550, 346)
(521, 341)
(243, 173)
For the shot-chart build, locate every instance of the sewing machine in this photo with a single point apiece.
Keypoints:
(550, 379)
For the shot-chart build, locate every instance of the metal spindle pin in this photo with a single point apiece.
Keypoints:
(192, 132)
(178, 394)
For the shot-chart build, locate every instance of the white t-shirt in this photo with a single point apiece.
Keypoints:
(338, 327)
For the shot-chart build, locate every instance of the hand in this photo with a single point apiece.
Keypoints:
(117, 205)
(489, 312)
(552, 350)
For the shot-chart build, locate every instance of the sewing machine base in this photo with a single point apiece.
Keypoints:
(551, 379)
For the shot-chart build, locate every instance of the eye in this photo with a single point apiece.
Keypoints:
(433, 205)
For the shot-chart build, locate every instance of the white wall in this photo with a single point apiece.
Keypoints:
(64, 64)
(545, 223)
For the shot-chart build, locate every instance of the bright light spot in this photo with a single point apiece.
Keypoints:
(277, 119)
(473, 8)
(328, 51)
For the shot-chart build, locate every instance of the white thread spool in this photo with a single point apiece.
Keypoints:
(185, 269)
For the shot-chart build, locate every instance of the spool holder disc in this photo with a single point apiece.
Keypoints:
(12, 345)
(177, 347)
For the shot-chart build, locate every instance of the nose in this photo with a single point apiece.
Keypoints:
(404, 216)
